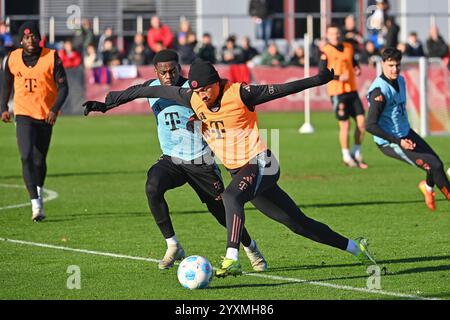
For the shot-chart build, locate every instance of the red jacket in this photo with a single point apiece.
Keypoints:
(72, 60)
(163, 34)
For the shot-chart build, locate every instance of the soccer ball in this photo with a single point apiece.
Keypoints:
(195, 272)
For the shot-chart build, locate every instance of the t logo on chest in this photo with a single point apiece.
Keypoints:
(30, 84)
(173, 120)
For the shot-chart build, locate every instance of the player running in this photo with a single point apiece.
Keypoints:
(344, 95)
(186, 158)
(388, 122)
(230, 127)
(40, 88)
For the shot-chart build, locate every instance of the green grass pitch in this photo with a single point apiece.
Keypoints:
(98, 167)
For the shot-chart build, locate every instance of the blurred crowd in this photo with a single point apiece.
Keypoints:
(383, 31)
(87, 50)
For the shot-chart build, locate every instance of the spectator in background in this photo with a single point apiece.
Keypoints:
(272, 57)
(316, 49)
(91, 59)
(110, 54)
(369, 54)
(402, 47)
(376, 22)
(185, 50)
(69, 57)
(6, 41)
(298, 58)
(184, 30)
(159, 33)
(436, 46)
(414, 47)
(192, 40)
(261, 11)
(83, 36)
(391, 32)
(106, 35)
(139, 54)
(158, 47)
(207, 51)
(45, 44)
(351, 34)
(231, 53)
(248, 52)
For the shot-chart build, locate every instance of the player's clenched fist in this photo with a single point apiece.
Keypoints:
(326, 75)
(96, 106)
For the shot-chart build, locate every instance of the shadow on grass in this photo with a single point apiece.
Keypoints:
(322, 205)
(103, 215)
(421, 270)
(80, 174)
(380, 262)
(248, 285)
(352, 277)
(187, 212)
(438, 295)
(390, 273)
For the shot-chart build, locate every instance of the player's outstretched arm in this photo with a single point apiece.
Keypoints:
(253, 95)
(180, 95)
(98, 106)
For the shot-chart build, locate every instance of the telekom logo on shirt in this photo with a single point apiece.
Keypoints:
(30, 84)
(174, 119)
(230, 147)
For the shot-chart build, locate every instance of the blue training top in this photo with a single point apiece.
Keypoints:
(175, 140)
(394, 118)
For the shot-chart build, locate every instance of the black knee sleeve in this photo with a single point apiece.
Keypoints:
(152, 189)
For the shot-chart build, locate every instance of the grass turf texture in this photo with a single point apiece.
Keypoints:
(98, 166)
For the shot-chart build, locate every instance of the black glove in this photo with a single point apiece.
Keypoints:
(325, 75)
(97, 106)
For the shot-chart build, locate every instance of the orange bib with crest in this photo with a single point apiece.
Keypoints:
(35, 89)
(342, 62)
(232, 131)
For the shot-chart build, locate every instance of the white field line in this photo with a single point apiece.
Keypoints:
(259, 275)
(49, 195)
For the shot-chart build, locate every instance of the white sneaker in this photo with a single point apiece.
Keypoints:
(256, 258)
(349, 162)
(174, 252)
(38, 214)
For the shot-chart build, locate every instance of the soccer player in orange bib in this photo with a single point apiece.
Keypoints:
(40, 89)
(230, 126)
(344, 95)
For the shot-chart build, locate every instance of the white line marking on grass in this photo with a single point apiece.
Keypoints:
(98, 253)
(342, 287)
(50, 195)
(259, 275)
